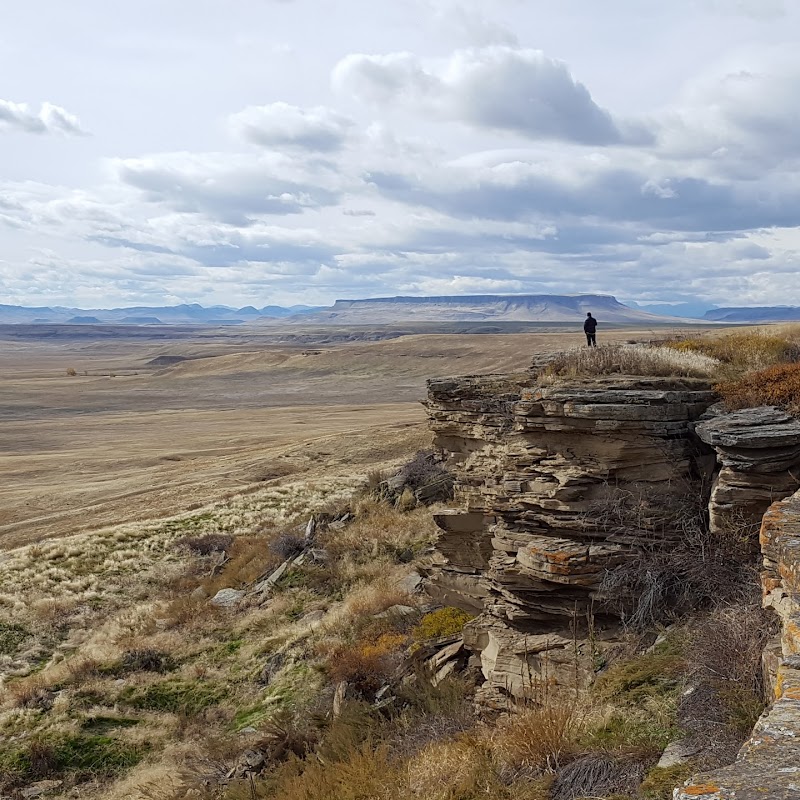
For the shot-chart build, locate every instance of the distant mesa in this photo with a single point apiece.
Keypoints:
(482, 308)
(754, 314)
(479, 309)
(141, 321)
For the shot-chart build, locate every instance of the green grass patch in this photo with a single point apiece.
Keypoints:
(657, 674)
(290, 690)
(660, 781)
(105, 724)
(175, 696)
(11, 637)
(624, 733)
(79, 756)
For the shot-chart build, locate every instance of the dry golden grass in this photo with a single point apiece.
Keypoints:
(630, 360)
(539, 737)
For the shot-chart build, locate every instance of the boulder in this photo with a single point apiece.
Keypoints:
(227, 598)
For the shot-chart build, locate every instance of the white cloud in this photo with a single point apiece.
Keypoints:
(491, 168)
(471, 27)
(282, 125)
(49, 119)
(741, 120)
(504, 88)
(233, 187)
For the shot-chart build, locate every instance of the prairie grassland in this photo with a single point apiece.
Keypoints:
(123, 681)
(644, 360)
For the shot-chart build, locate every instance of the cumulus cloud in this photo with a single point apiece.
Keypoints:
(49, 119)
(741, 121)
(573, 186)
(498, 88)
(232, 187)
(539, 186)
(282, 125)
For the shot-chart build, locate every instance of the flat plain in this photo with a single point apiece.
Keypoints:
(155, 421)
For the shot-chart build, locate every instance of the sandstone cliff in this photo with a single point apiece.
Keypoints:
(556, 485)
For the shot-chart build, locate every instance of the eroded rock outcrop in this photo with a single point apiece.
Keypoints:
(559, 485)
(759, 454)
(545, 477)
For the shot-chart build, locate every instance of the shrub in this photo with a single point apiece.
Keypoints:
(422, 480)
(724, 662)
(146, 660)
(681, 564)
(208, 544)
(598, 775)
(11, 637)
(430, 713)
(367, 665)
(287, 545)
(71, 372)
(444, 622)
(776, 386)
(630, 360)
(426, 476)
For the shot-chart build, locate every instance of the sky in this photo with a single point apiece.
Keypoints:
(255, 152)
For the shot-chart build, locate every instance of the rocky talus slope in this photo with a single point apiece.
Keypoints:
(558, 484)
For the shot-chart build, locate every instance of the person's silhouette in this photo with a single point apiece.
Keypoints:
(590, 329)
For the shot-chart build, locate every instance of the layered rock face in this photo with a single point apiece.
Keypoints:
(768, 765)
(759, 454)
(556, 485)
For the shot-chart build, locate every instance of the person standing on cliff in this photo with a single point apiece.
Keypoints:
(590, 329)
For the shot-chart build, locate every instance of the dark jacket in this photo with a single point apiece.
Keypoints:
(590, 325)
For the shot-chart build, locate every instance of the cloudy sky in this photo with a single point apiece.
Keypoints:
(298, 151)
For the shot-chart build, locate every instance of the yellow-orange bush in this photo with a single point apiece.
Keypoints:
(366, 664)
(776, 386)
(444, 622)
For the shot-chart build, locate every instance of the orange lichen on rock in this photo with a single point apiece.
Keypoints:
(701, 790)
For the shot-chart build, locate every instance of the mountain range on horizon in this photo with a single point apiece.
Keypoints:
(183, 314)
(393, 310)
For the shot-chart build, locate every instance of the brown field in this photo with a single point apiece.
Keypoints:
(125, 439)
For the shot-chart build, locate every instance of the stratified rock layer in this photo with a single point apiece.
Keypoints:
(768, 766)
(549, 482)
(759, 453)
